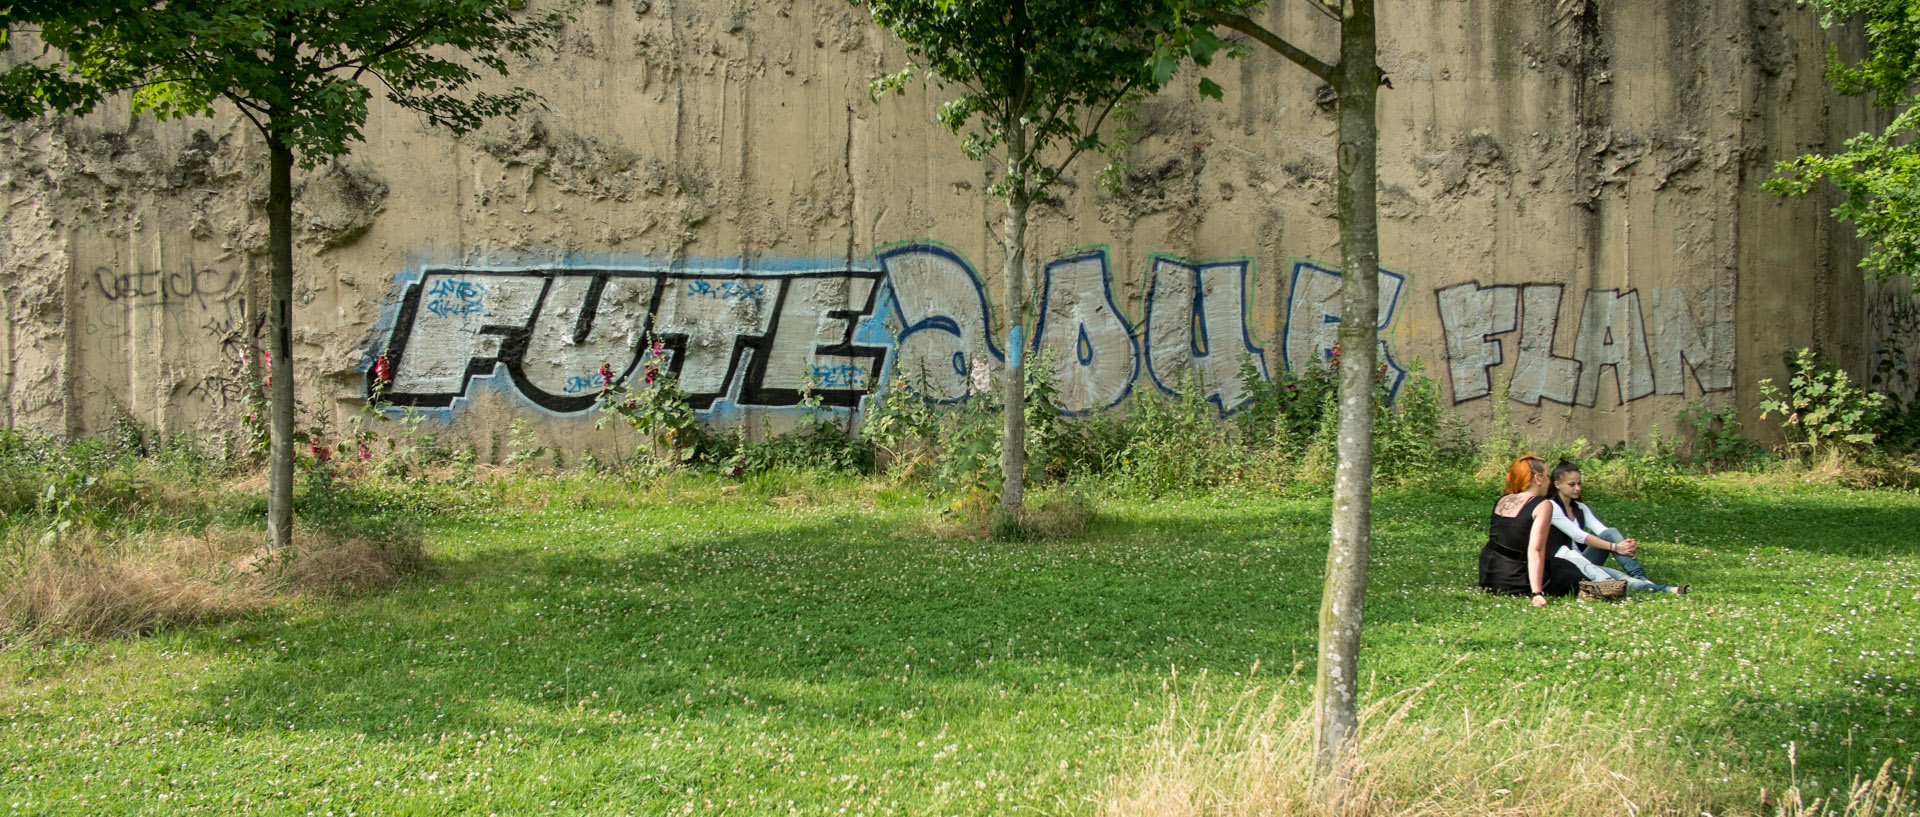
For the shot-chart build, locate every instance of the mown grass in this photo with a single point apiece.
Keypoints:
(804, 644)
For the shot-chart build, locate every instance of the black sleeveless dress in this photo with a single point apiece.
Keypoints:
(1503, 562)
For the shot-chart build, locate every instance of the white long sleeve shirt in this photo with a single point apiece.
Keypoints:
(1573, 530)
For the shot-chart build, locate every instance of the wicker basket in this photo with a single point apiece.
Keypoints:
(1603, 591)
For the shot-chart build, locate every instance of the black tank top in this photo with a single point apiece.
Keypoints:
(1508, 535)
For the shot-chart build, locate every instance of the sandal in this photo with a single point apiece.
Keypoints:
(1681, 589)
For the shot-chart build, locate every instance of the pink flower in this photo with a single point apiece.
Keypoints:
(652, 374)
(658, 348)
(606, 376)
(320, 452)
(382, 371)
(365, 454)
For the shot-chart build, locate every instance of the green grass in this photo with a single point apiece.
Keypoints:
(807, 645)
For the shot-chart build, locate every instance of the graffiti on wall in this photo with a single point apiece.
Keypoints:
(767, 338)
(757, 338)
(1643, 342)
(1313, 318)
(747, 339)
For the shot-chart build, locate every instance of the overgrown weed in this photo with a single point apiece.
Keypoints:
(1257, 756)
(96, 584)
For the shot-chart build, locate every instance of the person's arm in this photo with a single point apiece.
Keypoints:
(1624, 547)
(1537, 552)
(1574, 532)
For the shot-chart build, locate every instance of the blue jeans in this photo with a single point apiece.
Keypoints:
(1629, 566)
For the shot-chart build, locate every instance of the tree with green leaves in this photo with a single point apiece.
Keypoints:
(1035, 81)
(1355, 79)
(301, 71)
(1879, 173)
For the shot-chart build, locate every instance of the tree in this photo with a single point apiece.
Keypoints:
(1037, 79)
(1878, 172)
(1355, 79)
(296, 69)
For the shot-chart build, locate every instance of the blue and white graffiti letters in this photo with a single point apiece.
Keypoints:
(1196, 325)
(753, 338)
(1645, 357)
(940, 308)
(769, 338)
(585, 322)
(1313, 318)
(728, 290)
(452, 297)
(818, 316)
(1092, 348)
(436, 351)
(748, 338)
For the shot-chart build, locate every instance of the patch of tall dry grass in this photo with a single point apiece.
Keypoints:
(1256, 757)
(90, 584)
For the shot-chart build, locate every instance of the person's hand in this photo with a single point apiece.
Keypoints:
(1627, 547)
(1539, 600)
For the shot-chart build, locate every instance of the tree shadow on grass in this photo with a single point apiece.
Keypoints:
(832, 626)
(853, 629)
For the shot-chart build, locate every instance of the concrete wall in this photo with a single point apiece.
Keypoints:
(1568, 194)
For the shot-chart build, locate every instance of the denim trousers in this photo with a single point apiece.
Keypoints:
(1630, 569)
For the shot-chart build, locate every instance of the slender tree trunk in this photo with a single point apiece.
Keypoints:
(280, 343)
(1344, 597)
(1013, 439)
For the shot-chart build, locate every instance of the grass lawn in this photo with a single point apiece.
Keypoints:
(807, 645)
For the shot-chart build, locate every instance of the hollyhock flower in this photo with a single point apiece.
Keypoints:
(320, 452)
(382, 371)
(652, 374)
(606, 375)
(658, 348)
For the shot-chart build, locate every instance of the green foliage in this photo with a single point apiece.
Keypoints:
(1054, 68)
(1176, 444)
(296, 70)
(1287, 412)
(523, 446)
(1822, 408)
(1717, 441)
(1407, 443)
(1878, 172)
(656, 407)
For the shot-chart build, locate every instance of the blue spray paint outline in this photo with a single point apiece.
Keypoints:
(1106, 283)
(1248, 342)
(500, 379)
(1399, 373)
(940, 323)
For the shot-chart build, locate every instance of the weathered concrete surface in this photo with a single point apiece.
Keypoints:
(1568, 191)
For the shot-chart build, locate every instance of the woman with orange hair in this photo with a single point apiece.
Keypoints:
(1514, 561)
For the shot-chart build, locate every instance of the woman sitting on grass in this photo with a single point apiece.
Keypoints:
(1514, 561)
(1568, 538)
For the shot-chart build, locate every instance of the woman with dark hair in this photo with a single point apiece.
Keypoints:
(1514, 561)
(1568, 537)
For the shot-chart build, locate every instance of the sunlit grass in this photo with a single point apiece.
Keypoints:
(805, 644)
